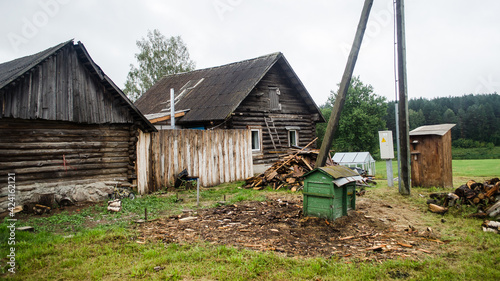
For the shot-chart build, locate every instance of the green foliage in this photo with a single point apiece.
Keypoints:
(477, 117)
(468, 143)
(360, 120)
(158, 56)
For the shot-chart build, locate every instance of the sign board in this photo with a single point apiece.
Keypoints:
(386, 145)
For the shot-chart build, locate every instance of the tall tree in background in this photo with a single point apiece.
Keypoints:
(361, 118)
(158, 56)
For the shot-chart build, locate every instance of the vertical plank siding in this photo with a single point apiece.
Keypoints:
(62, 89)
(215, 156)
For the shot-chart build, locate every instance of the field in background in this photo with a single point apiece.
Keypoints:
(463, 170)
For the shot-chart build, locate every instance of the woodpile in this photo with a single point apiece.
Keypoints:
(288, 172)
(485, 196)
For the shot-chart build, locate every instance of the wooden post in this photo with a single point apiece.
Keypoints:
(344, 86)
(404, 133)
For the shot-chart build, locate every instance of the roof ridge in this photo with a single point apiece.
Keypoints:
(277, 54)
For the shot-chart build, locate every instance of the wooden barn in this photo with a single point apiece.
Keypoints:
(66, 130)
(262, 94)
(430, 148)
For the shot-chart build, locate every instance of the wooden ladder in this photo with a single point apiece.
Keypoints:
(270, 125)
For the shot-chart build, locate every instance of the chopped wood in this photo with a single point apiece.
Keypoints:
(437, 209)
(287, 172)
(346, 238)
(494, 210)
(405, 245)
(186, 219)
(425, 251)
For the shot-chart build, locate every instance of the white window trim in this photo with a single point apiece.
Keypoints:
(296, 137)
(259, 133)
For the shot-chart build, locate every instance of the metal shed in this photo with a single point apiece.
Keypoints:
(430, 148)
(362, 160)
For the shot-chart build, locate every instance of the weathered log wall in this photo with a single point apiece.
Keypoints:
(294, 113)
(215, 156)
(49, 153)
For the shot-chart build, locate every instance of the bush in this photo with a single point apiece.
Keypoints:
(468, 143)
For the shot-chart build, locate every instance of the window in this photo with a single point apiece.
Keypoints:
(255, 139)
(293, 137)
(274, 100)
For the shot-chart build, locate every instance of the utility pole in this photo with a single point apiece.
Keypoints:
(404, 135)
(344, 86)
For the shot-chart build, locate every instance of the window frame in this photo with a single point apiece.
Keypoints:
(259, 139)
(296, 133)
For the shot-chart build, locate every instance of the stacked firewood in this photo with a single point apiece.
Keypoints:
(288, 172)
(486, 196)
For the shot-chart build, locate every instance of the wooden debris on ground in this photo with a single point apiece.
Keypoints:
(278, 225)
(115, 205)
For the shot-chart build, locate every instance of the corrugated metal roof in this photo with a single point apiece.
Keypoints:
(439, 130)
(352, 157)
(221, 91)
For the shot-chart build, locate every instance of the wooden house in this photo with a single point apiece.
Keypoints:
(430, 148)
(66, 130)
(262, 94)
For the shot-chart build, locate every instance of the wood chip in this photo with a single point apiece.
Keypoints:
(405, 245)
(346, 238)
(186, 219)
(425, 251)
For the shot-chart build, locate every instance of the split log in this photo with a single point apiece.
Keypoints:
(494, 210)
(465, 192)
(493, 190)
(437, 209)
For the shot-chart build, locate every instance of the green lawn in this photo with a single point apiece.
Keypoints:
(66, 247)
(472, 169)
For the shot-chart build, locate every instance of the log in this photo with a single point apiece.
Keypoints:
(493, 190)
(494, 210)
(437, 209)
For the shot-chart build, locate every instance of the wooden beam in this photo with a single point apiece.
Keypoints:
(404, 134)
(159, 119)
(344, 86)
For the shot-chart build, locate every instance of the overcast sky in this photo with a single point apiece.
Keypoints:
(453, 46)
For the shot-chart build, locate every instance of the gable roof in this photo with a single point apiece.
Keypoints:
(212, 94)
(15, 69)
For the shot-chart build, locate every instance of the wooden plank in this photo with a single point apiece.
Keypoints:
(164, 118)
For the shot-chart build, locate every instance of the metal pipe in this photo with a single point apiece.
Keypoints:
(172, 108)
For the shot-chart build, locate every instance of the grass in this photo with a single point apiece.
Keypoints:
(462, 169)
(67, 246)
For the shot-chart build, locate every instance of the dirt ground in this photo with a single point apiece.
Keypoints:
(373, 232)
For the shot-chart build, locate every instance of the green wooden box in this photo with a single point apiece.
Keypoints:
(329, 192)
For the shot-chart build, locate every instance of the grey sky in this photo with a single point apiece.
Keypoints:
(452, 45)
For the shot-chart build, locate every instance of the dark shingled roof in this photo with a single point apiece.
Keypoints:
(12, 70)
(212, 94)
